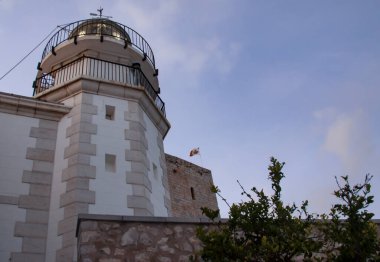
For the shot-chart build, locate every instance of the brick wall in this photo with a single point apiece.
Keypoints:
(189, 188)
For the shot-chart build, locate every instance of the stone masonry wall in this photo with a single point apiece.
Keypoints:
(106, 238)
(189, 188)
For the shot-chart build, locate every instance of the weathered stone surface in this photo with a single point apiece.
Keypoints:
(189, 188)
(77, 195)
(40, 190)
(130, 237)
(46, 133)
(40, 154)
(37, 216)
(84, 171)
(140, 202)
(10, 200)
(80, 148)
(33, 245)
(34, 177)
(30, 230)
(124, 240)
(106, 250)
(87, 249)
(29, 257)
(110, 260)
(34, 202)
(88, 235)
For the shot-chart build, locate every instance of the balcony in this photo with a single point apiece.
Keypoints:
(101, 27)
(97, 69)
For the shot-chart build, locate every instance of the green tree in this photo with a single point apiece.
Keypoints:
(262, 228)
(349, 234)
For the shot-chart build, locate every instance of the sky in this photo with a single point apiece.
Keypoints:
(244, 80)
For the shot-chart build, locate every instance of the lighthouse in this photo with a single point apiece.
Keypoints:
(89, 142)
(109, 157)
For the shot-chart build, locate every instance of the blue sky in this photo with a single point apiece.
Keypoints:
(244, 80)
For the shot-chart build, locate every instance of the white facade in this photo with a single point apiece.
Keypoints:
(89, 142)
(14, 141)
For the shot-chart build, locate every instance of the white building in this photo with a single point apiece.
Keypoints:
(90, 140)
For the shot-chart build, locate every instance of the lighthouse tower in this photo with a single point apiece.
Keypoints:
(109, 156)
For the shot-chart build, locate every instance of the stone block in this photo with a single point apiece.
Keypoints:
(39, 190)
(43, 143)
(33, 245)
(78, 183)
(84, 171)
(67, 225)
(140, 190)
(139, 168)
(136, 126)
(82, 128)
(68, 238)
(132, 116)
(77, 195)
(75, 209)
(83, 108)
(80, 148)
(136, 156)
(42, 166)
(133, 135)
(138, 145)
(139, 202)
(89, 109)
(79, 159)
(139, 179)
(49, 124)
(37, 216)
(29, 257)
(84, 118)
(34, 177)
(34, 202)
(80, 138)
(45, 133)
(142, 212)
(10, 200)
(30, 230)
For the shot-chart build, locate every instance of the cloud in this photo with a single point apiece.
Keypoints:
(183, 49)
(347, 136)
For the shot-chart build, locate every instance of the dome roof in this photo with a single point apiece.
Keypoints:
(100, 26)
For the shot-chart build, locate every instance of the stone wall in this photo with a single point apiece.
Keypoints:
(107, 238)
(189, 188)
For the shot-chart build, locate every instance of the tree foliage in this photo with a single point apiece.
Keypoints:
(354, 238)
(263, 228)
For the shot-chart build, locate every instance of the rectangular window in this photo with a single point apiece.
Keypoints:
(110, 112)
(155, 174)
(110, 163)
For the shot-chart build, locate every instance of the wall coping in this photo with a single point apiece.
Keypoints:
(31, 107)
(144, 219)
(188, 163)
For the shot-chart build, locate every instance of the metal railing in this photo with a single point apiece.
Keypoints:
(102, 27)
(99, 69)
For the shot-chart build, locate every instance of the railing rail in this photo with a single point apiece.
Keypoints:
(100, 69)
(107, 28)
